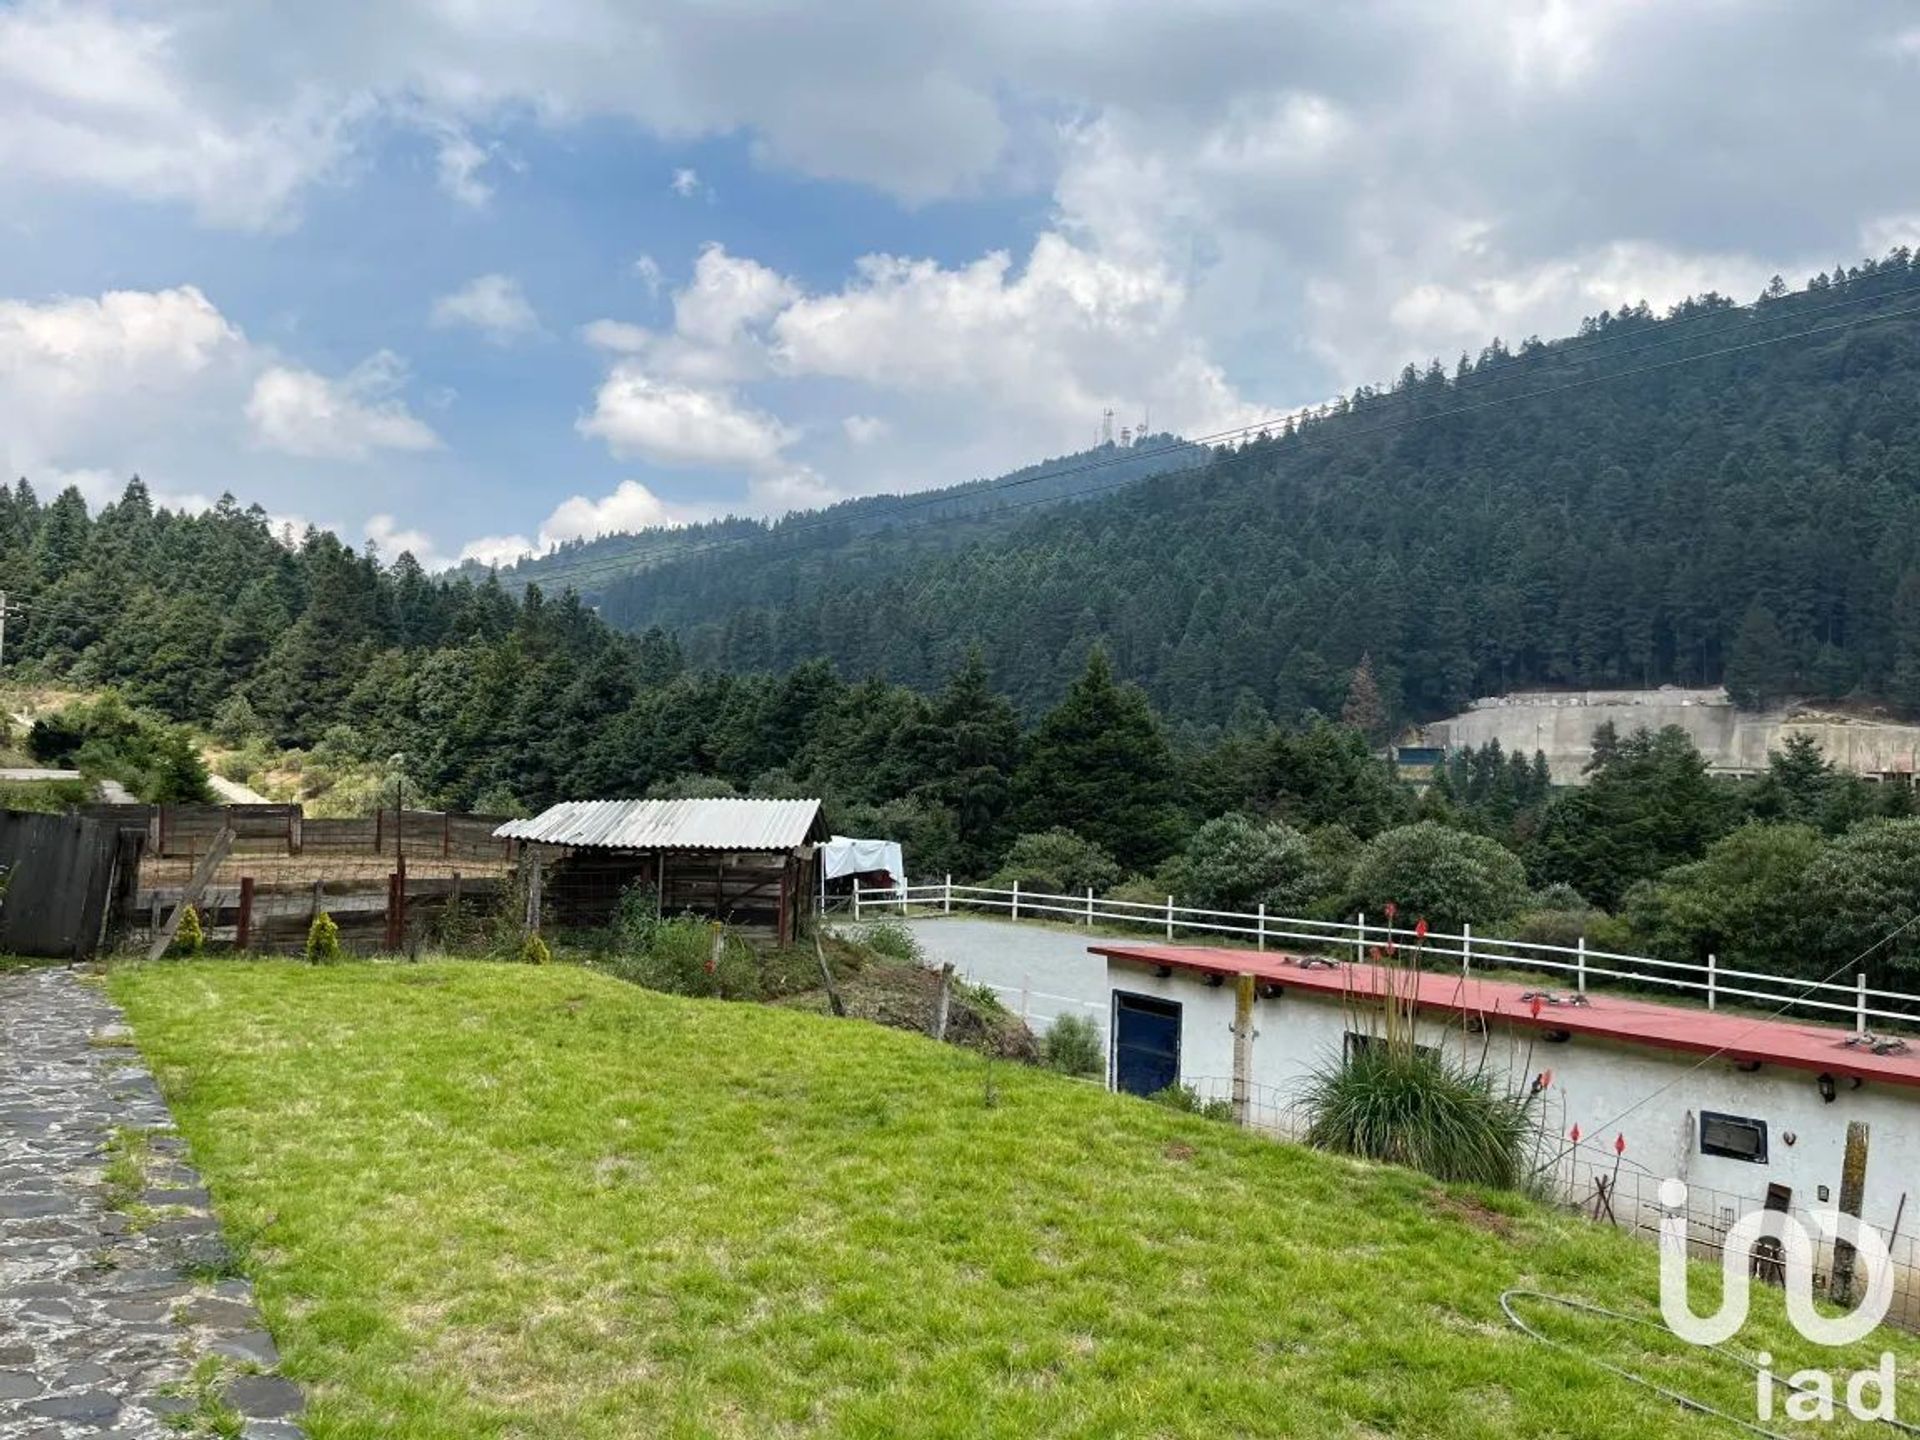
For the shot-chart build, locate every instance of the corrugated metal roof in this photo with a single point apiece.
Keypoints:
(672, 824)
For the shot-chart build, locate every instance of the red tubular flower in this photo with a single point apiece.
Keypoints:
(1576, 1133)
(1392, 910)
(1620, 1144)
(1535, 1007)
(1420, 927)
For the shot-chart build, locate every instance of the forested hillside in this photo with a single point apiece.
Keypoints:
(963, 512)
(1658, 500)
(324, 662)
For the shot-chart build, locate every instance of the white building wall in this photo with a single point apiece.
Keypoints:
(1594, 1084)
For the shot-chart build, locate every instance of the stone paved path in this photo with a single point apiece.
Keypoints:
(119, 1313)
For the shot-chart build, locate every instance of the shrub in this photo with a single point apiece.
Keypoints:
(323, 940)
(191, 937)
(1186, 1099)
(1408, 1104)
(236, 722)
(892, 939)
(1072, 1046)
(1548, 927)
(1056, 862)
(1450, 877)
(157, 761)
(1142, 890)
(534, 951)
(1236, 862)
(636, 916)
(691, 956)
(1559, 896)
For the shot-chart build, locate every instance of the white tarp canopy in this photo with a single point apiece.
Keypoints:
(843, 856)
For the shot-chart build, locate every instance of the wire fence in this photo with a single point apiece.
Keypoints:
(1590, 1180)
(1860, 1004)
(389, 881)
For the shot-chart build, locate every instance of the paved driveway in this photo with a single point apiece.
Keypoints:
(1038, 971)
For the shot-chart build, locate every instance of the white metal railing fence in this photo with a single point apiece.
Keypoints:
(1713, 980)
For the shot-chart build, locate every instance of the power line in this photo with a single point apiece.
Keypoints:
(1318, 436)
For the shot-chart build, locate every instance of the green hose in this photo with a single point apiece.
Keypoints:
(1685, 1402)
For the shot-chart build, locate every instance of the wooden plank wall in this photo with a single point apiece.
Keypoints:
(177, 831)
(61, 871)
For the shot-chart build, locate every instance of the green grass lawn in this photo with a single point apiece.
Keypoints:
(485, 1200)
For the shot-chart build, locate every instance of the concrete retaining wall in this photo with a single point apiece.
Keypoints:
(1733, 741)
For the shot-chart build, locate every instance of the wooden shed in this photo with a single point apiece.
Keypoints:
(749, 863)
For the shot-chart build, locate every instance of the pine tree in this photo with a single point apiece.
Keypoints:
(1903, 687)
(1363, 709)
(1758, 666)
(1098, 764)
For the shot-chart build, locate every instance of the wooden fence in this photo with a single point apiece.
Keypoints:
(276, 916)
(188, 831)
(258, 875)
(66, 879)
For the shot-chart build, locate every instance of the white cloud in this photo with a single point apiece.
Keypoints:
(88, 385)
(497, 549)
(106, 100)
(301, 412)
(1058, 340)
(1887, 232)
(460, 161)
(686, 183)
(729, 296)
(674, 424)
(618, 336)
(865, 429)
(391, 539)
(648, 269)
(492, 304)
(632, 506)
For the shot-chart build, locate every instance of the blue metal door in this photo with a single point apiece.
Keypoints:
(1146, 1043)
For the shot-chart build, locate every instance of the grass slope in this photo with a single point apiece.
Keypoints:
(499, 1201)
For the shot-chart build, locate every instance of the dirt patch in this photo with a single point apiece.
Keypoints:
(1178, 1150)
(1471, 1211)
(907, 997)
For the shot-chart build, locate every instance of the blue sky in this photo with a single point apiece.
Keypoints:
(474, 279)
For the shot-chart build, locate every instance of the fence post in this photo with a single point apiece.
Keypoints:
(1466, 951)
(1242, 1048)
(903, 897)
(243, 927)
(1860, 1003)
(1015, 911)
(856, 897)
(1169, 917)
(1580, 966)
(1853, 1184)
(1713, 981)
(1360, 939)
(1089, 907)
(946, 899)
(1263, 925)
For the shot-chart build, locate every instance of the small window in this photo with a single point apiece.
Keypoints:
(1733, 1136)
